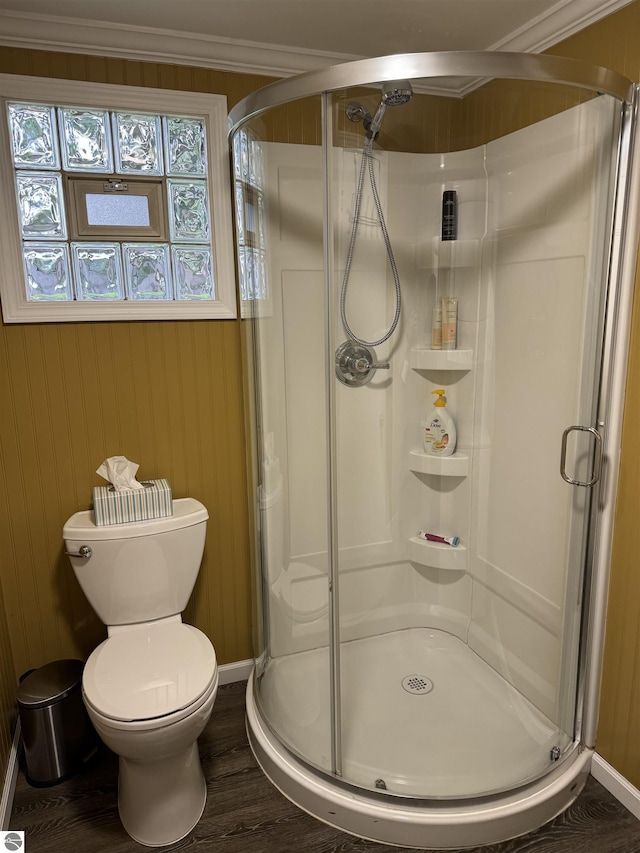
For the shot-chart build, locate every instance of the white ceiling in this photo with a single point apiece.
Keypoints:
(283, 37)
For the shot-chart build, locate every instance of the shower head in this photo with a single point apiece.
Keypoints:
(396, 92)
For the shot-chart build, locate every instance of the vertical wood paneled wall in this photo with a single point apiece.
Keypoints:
(165, 394)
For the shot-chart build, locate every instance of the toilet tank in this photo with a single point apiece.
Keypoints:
(139, 571)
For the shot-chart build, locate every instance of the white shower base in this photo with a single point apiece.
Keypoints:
(472, 735)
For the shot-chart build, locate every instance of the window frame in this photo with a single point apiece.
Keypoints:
(16, 308)
(77, 187)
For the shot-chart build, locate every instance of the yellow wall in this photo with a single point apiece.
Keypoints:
(176, 408)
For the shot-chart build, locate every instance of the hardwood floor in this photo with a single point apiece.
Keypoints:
(245, 813)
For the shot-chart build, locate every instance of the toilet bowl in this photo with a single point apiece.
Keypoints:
(149, 691)
(150, 687)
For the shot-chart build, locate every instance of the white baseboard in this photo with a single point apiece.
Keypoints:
(616, 784)
(10, 778)
(238, 671)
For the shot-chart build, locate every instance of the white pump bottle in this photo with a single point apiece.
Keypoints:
(439, 430)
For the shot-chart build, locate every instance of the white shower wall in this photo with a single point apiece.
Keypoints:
(523, 270)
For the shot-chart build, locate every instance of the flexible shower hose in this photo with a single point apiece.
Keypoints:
(367, 159)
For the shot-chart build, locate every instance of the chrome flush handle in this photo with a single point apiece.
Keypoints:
(84, 551)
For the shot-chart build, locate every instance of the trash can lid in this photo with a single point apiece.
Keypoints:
(50, 684)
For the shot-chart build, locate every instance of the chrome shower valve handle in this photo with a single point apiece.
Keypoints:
(355, 364)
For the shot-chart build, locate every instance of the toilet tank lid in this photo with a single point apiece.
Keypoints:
(186, 512)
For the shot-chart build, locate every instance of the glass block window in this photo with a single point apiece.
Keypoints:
(138, 144)
(185, 142)
(250, 217)
(41, 205)
(147, 270)
(192, 270)
(48, 271)
(86, 140)
(84, 206)
(97, 271)
(34, 141)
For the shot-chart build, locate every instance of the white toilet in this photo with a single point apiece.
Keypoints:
(149, 688)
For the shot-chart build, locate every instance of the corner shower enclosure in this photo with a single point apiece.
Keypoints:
(406, 690)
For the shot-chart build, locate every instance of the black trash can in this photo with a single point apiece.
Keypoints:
(56, 730)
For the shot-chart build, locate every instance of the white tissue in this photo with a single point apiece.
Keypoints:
(120, 473)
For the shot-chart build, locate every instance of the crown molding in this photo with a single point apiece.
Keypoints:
(150, 44)
(559, 22)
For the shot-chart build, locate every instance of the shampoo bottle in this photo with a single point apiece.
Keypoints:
(439, 430)
(449, 215)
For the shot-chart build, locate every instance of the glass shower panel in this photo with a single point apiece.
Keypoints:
(484, 635)
(279, 192)
(540, 341)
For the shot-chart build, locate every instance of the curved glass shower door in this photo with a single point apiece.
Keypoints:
(279, 191)
(396, 664)
(458, 665)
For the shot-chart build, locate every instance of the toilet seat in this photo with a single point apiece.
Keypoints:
(151, 725)
(152, 675)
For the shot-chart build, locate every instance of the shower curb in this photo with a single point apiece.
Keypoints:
(421, 825)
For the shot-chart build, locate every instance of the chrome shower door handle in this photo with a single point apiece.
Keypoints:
(597, 467)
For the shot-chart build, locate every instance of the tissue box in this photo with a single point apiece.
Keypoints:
(111, 507)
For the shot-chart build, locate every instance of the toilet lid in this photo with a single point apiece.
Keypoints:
(149, 671)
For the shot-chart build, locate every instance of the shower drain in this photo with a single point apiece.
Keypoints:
(418, 684)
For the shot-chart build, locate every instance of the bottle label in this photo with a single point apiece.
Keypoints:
(449, 322)
(436, 436)
(449, 335)
(450, 215)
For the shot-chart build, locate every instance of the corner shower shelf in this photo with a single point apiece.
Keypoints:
(437, 556)
(441, 359)
(456, 465)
